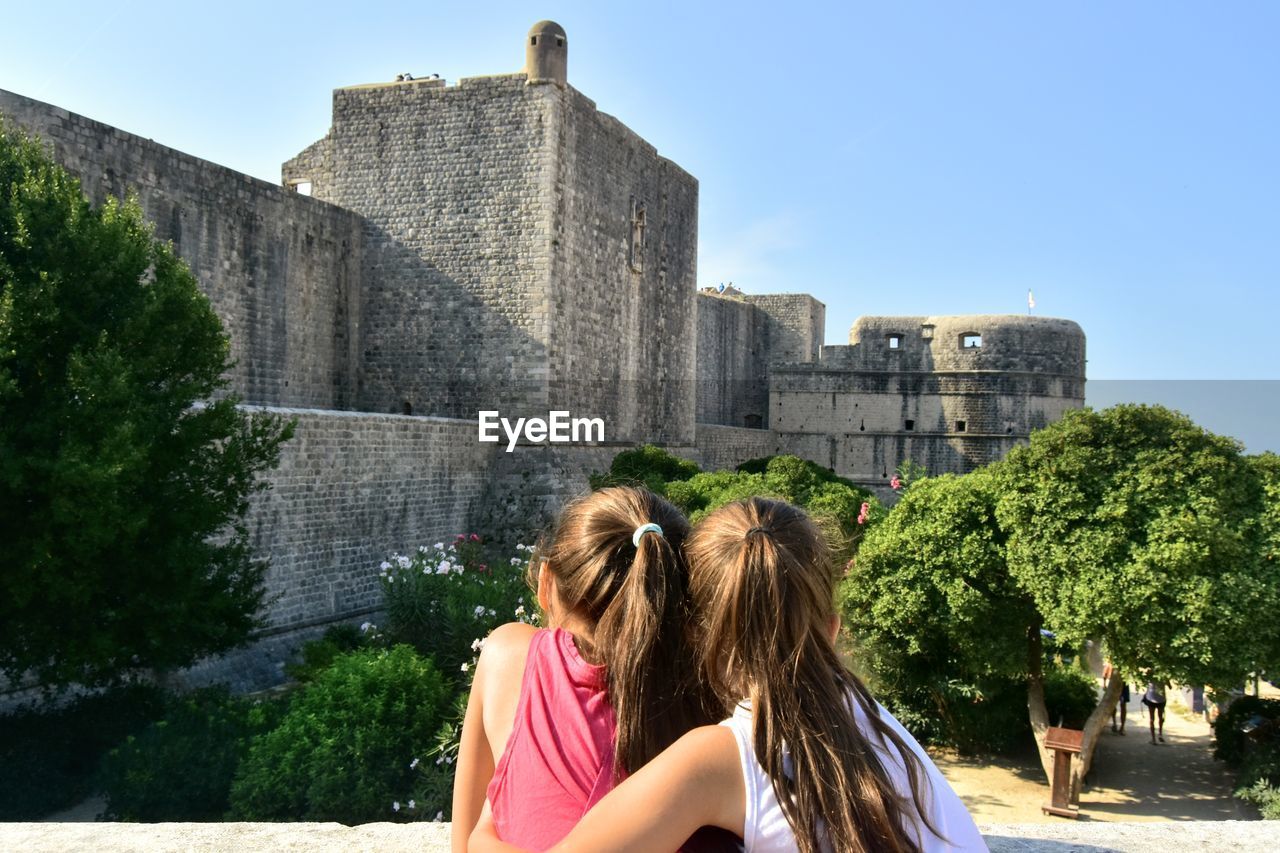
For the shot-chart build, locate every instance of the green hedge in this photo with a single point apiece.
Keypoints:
(180, 768)
(343, 750)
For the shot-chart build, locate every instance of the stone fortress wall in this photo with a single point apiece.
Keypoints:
(500, 243)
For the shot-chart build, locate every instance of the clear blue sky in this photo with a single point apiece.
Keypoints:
(1121, 159)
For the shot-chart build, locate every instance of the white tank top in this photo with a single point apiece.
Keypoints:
(765, 828)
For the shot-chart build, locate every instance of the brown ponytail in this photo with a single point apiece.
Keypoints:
(634, 597)
(763, 584)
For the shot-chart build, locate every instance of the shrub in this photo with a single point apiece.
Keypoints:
(443, 600)
(48, 757)
(339, 753)
(648, 466)
(1229, 737)
(1265, 796)
(180, 768)
(1069, 695)
(318, 655)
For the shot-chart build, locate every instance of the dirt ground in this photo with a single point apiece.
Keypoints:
(1131, 779)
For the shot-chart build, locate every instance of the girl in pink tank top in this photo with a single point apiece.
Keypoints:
(558, 715)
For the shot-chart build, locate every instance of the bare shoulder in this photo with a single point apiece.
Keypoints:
(503, 656)
(507, 641)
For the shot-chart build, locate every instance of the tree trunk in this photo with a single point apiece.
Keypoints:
(1036, 709)
(1092, 728)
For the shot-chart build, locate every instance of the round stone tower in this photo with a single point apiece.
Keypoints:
(546, 53)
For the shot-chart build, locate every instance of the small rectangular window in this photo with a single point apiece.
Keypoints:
(895, 341)
(960, 425)
(533, 40)
(911, 425)
(970, 341)
(301, 187)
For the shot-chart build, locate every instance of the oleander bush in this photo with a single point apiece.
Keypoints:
(339, 753)
(180, 767)
(443, 599)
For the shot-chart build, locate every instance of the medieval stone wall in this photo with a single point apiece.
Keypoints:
(283, 271)
(950, 393)
(796, 324)
(622, 289)
(455, 186)
(732, 362)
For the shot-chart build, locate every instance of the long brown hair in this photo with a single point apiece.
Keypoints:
(763, 584)
(633, 598)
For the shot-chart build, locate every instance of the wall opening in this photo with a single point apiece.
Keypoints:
(753, 422)
(960, 426)
(895, 341)
(407, 408)
(637, 234)
(911, 425)
(301, 187)
(970, 340)
(533, 40)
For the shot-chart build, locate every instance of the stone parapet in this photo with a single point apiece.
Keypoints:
(1064, 837)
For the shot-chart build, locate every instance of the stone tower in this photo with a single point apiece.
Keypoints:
(523, 250)
(546, 54)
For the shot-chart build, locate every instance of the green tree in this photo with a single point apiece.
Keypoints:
(1267, 466)
(123, 482)
(938, 622)
(1136, 527)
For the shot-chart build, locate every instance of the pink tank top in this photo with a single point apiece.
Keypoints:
(559, 759)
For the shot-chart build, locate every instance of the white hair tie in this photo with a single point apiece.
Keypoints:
(642, 530)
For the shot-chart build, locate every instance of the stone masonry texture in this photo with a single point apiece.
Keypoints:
(500, 243)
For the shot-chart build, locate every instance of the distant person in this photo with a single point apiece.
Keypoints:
(1155, 702)
(1123, 705)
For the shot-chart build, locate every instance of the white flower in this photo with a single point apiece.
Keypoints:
(477, 645)
(515, 561)
(439, 546)
(385, 565)
(492, 612)
(412, 804)
(439, 816)
(440, 760)
(365, 626)
(520, 610)
(404, 562)
(448, 759)
(396, 805)
(422, 549)
(479, 611)
(520, 546)
(466, 666)
(413, 764)
(444, 568)
(391, 579)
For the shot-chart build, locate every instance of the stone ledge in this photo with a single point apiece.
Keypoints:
(1064, 837)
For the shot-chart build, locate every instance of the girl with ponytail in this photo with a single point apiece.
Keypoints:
(808, 760)
(558, 715)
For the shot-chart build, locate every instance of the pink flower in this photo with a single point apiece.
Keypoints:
(461, 537)
(475, 537)
(896, 482)
(864, 513)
